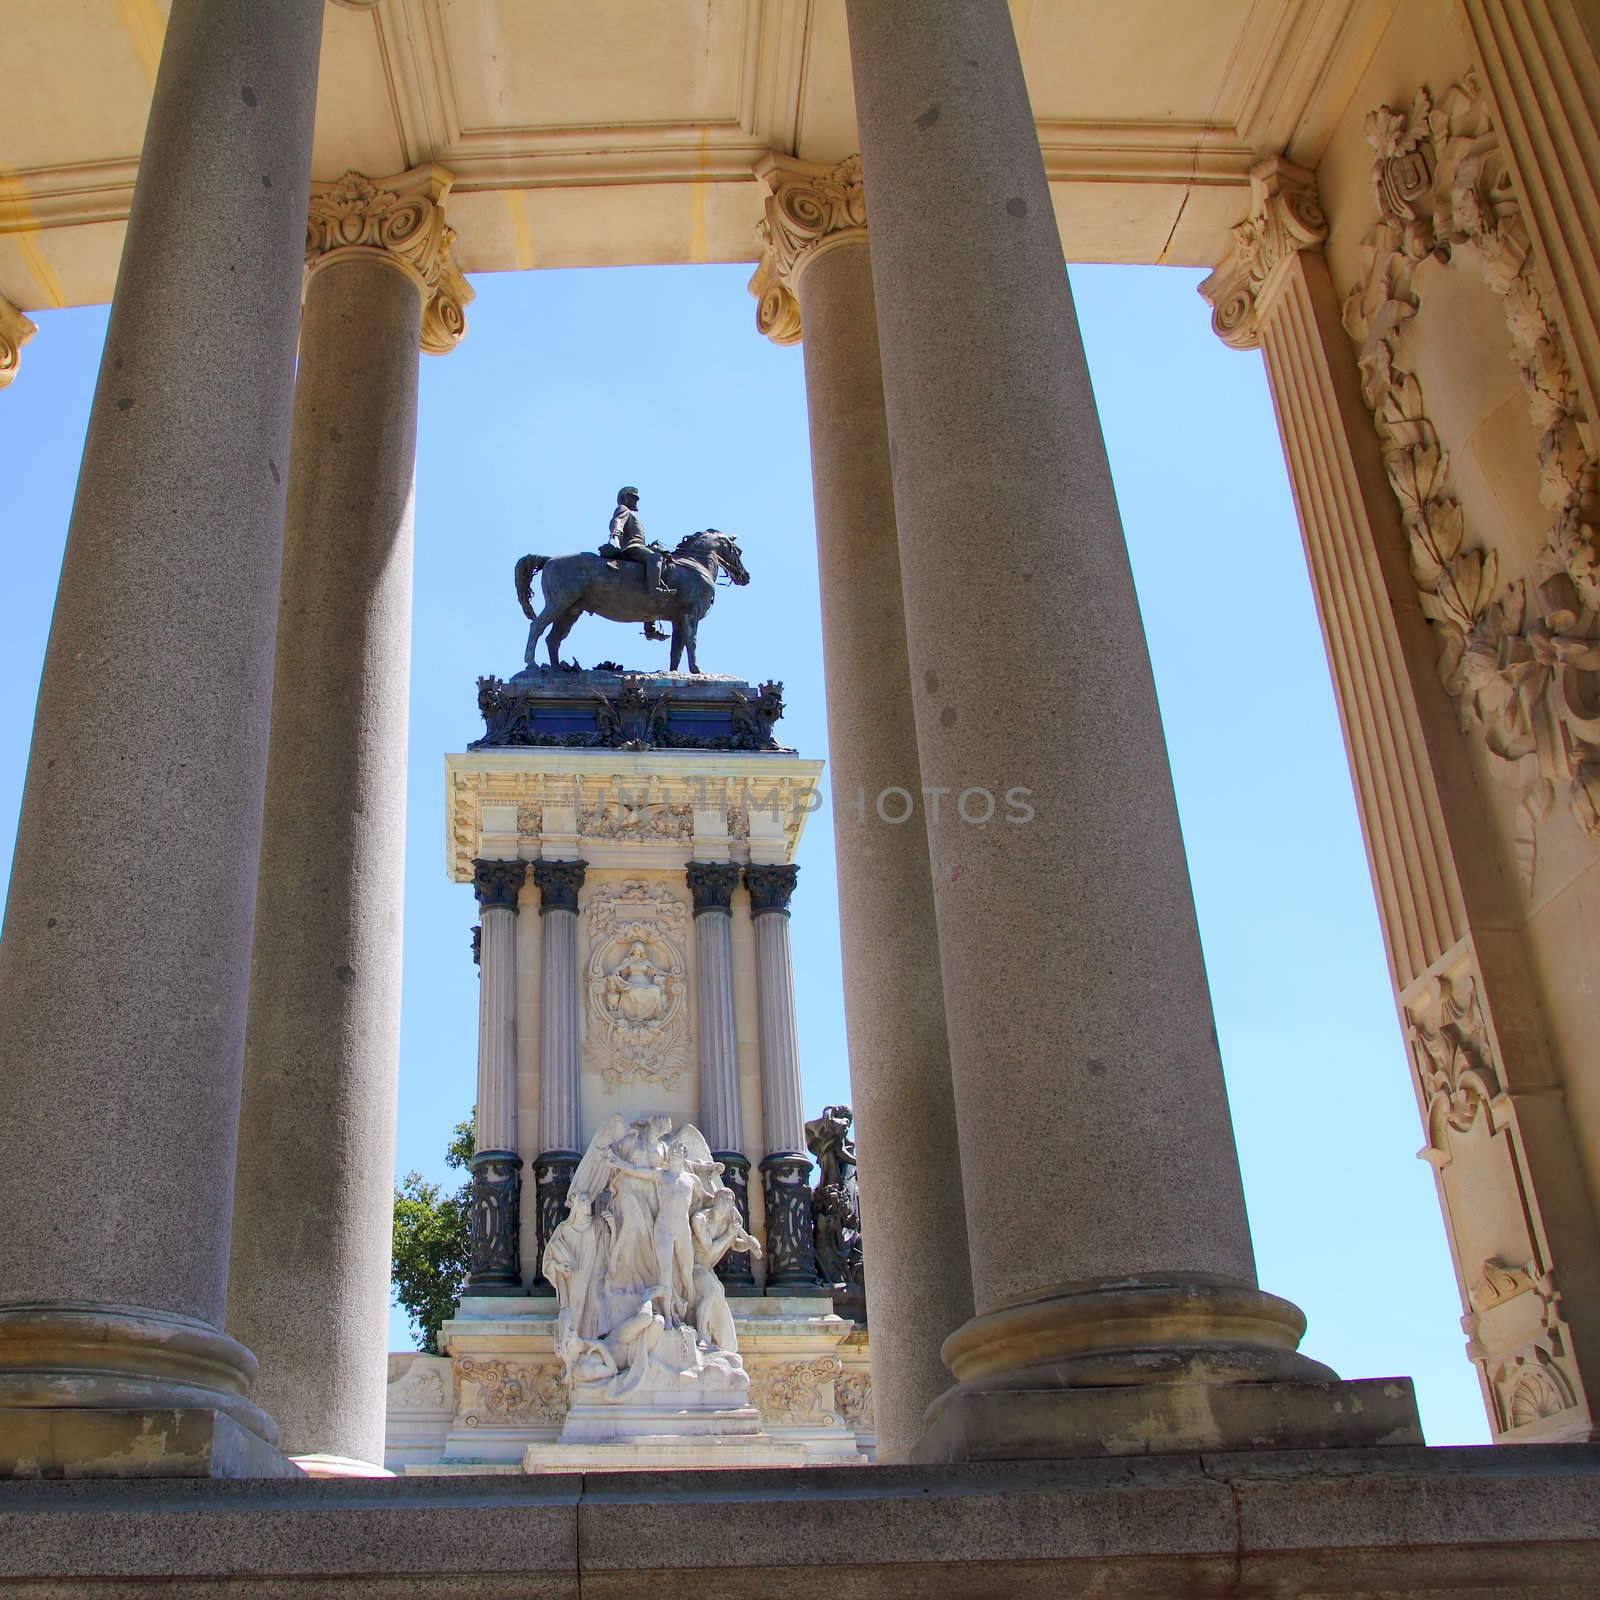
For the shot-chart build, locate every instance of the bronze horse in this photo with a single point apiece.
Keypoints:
(615, 590)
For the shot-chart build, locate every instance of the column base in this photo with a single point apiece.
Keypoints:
(1167, 1419)
(1147, 1366)
(64, 1442)
(791, 1243)
(496, 1208)
(61, 1361)
(552, 1175)
(734, 1268)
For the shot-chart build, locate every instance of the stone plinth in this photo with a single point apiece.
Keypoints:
(1375, 1523)
(80, 1442)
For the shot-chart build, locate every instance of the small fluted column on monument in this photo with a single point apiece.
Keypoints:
(495, 1255)
(815, 267)
(786, 1167)
(15, 331)
(712, 884)
(123, 971)
(560, 1103)
(1112, 1268)
(322, 1047)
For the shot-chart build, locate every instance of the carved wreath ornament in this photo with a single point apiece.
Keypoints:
(637, 989)
(1521, 659)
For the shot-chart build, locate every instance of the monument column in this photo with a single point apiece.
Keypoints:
(1112, 1269)
(322, 1043)
(123, 971)
(495, 1258)
(1504, 1131)
(786, 1167)
(712, 884)
(816, 274)
(15, 331)
(560, 1101)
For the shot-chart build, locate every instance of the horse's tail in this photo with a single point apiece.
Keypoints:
(525, 570)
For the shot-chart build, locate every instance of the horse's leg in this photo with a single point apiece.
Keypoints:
(563, 626)
(677, 645)
(555, 606)
(691, 631)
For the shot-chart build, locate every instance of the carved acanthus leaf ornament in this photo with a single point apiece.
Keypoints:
(1521, 659)
(401, 220)
(808, 208)
(1285, 218)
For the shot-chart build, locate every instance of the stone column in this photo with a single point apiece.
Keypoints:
(1540, 62)
(322, 1045)
(786, 1167)
(15, 331)
(815, 270)
(1504, 1139)
(712, 884)
(123, 970)
(496, 1185)
(560, 1081)
(1111, 1261)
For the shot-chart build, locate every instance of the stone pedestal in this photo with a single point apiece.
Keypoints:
(124, 966)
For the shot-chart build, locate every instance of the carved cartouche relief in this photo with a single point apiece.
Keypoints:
(1521, 659)
(636, 988)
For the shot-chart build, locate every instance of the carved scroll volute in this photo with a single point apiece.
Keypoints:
(399, 220)
(15, 331)
(809, 208)
(1285, 217)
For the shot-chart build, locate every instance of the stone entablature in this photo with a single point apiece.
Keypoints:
(618, 808)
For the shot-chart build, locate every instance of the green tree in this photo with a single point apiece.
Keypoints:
(431, 1241)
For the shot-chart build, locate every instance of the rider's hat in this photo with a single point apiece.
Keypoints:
(626, 489)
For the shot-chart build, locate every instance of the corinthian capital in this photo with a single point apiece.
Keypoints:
(15, 331)
(398, 220)
(1285, 218)
(810, 209)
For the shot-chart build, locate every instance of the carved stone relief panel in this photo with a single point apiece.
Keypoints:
(636, 984)
(797, 1394)
(1520, 655)
(1514, 1327)
(509, 1393)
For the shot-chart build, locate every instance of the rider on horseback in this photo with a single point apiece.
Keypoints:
(627, 537)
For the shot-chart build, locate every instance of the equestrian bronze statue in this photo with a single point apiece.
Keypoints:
(621, 583)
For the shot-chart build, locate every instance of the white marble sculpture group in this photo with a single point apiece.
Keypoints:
(641, 1309)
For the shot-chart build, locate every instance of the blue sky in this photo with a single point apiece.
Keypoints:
(570, 383)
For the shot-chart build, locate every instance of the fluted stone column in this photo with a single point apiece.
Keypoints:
(712, 884)
(816, 273)
(125, 961)
(560, 1085)
(786, 1167)
(322, 1047)
(15, 331)
(1104, 1208)
(495, 1261)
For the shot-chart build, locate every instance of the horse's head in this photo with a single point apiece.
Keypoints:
(726, 549)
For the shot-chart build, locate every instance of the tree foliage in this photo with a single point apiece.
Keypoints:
(431, 1242)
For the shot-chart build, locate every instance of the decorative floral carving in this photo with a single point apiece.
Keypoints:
(510, 1393)
(618, 817)
(1521, 659)
(419, 1388)
(797, 1393)
(636, 984)
(807, 206)
(1497, 1283)
(401, 218)
(852, 1392)
(1455, 1061)
(1532, 1388)
(1285, 217)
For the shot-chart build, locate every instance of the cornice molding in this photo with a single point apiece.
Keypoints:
(399, 221)
(15, 331)
(1285, 218)
(809, 209)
